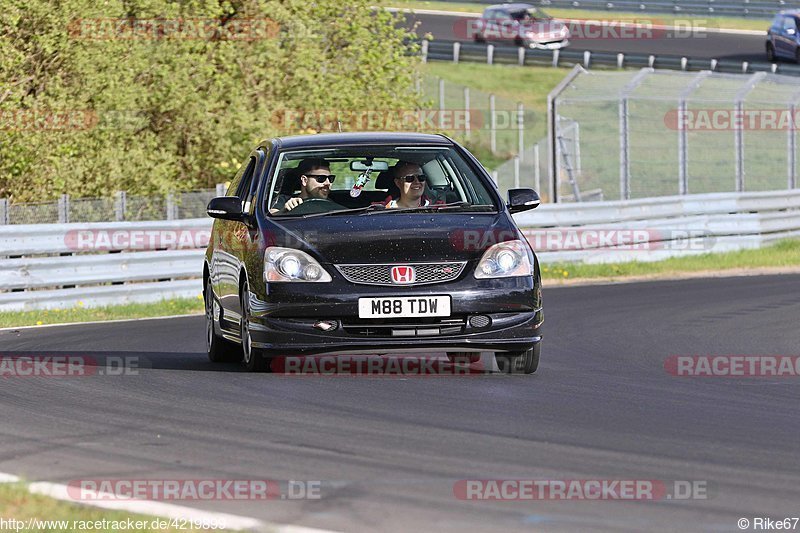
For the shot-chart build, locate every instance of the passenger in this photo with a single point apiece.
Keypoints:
(315, 183)
(410, 180)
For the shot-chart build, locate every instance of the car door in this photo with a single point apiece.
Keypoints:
(230, 241)
(785, 43)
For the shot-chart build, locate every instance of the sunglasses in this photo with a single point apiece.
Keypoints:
(410, 178)
(321, 178)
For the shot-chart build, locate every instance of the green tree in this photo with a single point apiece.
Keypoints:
(150, 96)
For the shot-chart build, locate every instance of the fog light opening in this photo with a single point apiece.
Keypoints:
(479, 321)
(326, 325)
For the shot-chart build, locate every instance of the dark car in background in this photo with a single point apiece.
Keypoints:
(522, 25)
(347, 275)
(783, 36)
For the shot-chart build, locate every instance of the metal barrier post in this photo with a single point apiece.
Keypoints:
(537, 183)
(120, 203)
(441, 103)
(3, 211)
(492, 125)
(467, 124)
(424, 51)
(456, 51)
(171, 207)
(220, 189)
(63, 209)
(520, 131)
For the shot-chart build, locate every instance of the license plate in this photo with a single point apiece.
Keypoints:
(403, 306)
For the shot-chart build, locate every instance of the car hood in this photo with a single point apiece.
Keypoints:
(391, 238)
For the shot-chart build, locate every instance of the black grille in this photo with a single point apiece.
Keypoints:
(381, 274)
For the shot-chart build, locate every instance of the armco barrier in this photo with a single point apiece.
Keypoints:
(443, 50)
(50, 266)
(121, 262)
(671, 226)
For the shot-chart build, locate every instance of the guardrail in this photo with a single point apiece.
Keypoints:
(652, 229)
(50, 266)
(455, 51)
(747, 8)
(122, 262)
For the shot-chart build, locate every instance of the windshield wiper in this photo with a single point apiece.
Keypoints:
(344, 211)
(441, 207)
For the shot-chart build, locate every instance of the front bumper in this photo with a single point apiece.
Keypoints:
(511, 332)
(486, 315)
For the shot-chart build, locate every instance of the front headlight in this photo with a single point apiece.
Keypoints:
(505, 260)
(288, 264)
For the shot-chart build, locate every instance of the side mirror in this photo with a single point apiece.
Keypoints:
(226, 208)
(791, 31)
(522, 199)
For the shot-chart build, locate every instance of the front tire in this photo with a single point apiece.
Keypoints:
(253, 358)
(771, 53)
(526, 362)
(219, 350)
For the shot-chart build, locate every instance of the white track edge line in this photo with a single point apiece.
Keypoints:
(166, 317)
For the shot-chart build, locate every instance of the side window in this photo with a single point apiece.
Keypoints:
(489, 14)
(789, 24)
(777, 22)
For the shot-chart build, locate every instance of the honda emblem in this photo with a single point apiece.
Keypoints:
(403, 274)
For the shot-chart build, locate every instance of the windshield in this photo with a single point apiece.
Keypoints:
(375, 178)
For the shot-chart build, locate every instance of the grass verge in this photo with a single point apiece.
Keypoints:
(36, 513)
(730, 23)
(785, 253)
(182, 306)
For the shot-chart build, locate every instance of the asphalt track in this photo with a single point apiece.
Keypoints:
(388, 450)
(700, 44)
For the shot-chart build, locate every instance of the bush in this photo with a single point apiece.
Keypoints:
(88, 106)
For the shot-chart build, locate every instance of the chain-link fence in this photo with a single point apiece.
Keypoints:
(500, 131)
(656, 133)
(121, 207)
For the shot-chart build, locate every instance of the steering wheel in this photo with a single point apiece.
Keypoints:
(315, 205)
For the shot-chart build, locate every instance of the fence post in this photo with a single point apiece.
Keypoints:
(587, 57)
(492, 125)
(171, 207)
(456, 51)
(441, 103)
(537, 183)
(521, 130)
(3, 211)
(467, 124)
(220, 189)
(516, 172)
(63, 209)
(738, 133)
(624, 151)
(424, 51)
(490, 54)
(792, 149)
(555, 57)
(120, 204)
(521, 56)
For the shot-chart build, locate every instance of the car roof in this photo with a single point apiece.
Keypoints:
(511, 7)
(361, 138)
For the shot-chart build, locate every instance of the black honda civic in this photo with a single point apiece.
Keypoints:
(368, 243)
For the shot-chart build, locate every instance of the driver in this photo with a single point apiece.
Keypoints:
(315, 183)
